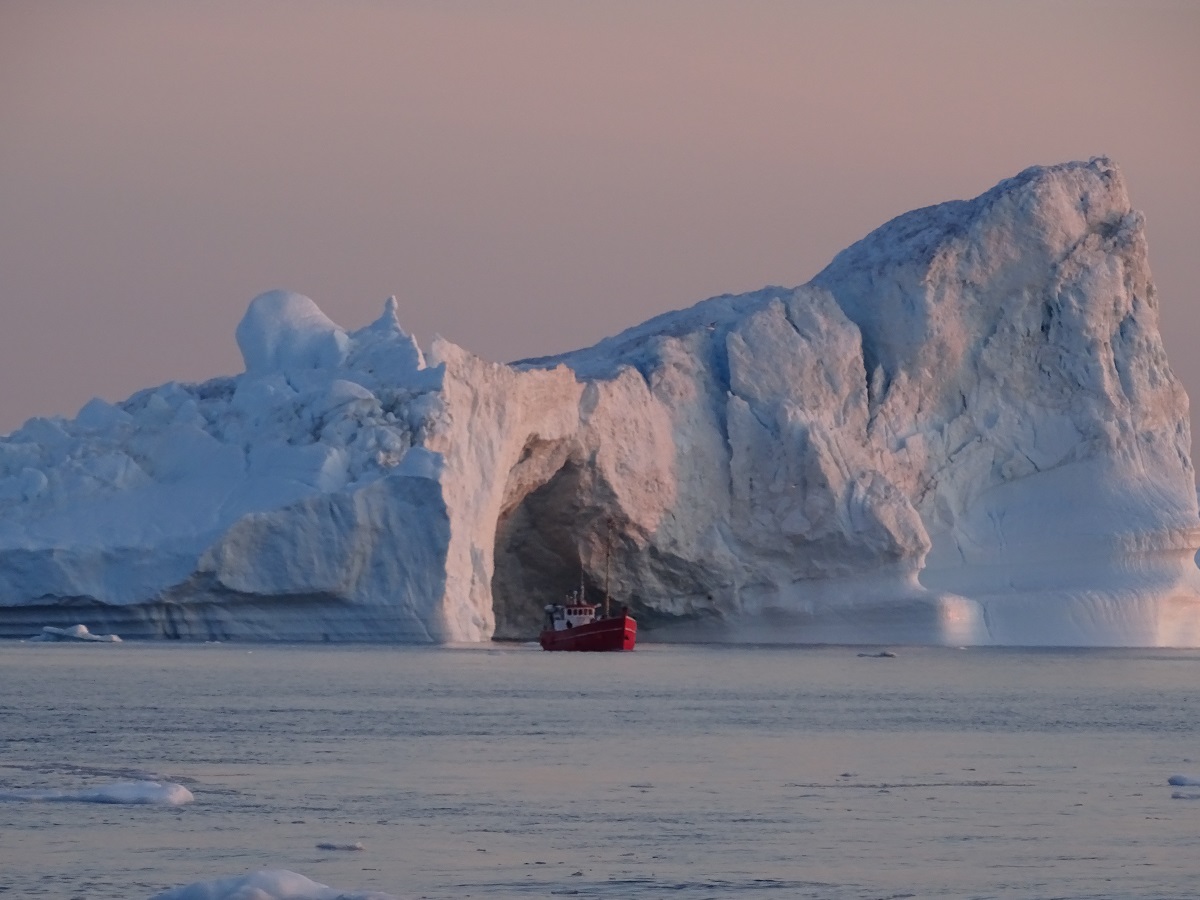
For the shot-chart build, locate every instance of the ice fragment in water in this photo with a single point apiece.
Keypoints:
(269, 884)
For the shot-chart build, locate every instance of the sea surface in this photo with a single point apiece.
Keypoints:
(670, 772)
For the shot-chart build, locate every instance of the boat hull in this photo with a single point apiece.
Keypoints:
(605, 635)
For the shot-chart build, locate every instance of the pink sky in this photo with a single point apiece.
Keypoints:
(528, 177)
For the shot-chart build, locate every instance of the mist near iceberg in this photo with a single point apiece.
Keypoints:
(965, 430)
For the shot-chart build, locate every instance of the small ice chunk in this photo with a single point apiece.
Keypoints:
(1183, 781)
(100, 415)
(270, 884)
(74, 633)
(159, 793)
(138, 793)
(421, 463)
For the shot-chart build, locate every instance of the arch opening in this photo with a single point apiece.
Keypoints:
(539, 553)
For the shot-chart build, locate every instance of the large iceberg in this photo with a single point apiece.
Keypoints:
(963, 431)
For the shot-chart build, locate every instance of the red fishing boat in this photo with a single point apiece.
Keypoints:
(574, 626)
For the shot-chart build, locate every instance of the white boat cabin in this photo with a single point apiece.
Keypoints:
(572, 614)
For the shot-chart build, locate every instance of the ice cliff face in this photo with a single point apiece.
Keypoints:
(964, 430)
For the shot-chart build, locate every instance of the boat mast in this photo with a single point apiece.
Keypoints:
(607, 562)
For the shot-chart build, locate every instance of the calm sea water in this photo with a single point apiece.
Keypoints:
(681, 772)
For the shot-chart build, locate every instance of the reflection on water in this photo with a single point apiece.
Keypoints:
(675, 771)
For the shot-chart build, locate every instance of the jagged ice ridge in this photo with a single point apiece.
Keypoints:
(964, 430)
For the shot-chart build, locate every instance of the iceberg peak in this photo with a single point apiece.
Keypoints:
(283, 330)
(390, 320)
(385, 348)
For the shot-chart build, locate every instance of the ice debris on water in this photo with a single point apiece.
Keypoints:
(268, 884)
(1184, 781)
(50, 634)
(146, 793)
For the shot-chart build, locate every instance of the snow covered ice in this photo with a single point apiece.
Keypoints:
(963, 431)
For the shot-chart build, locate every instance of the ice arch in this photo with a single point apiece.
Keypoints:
(538, 554)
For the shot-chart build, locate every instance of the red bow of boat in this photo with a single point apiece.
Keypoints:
(574, 626)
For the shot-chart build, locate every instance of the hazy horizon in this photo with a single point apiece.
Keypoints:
(529, 177)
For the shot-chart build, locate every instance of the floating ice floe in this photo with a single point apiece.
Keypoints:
(74, 633)
(1184, 781)
(271, 884)
(145, 793)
